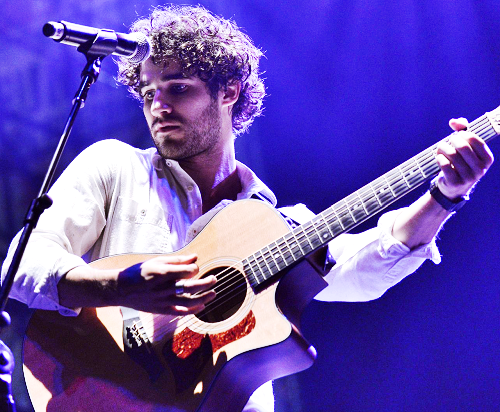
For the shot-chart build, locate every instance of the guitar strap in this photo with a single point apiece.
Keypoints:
(291, 222)
(261, 196)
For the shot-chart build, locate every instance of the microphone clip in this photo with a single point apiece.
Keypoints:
(104, 44)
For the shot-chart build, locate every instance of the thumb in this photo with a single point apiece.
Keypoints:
(459, 124)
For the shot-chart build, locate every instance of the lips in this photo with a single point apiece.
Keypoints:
(165, 127)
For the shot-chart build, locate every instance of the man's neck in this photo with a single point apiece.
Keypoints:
(215, 175)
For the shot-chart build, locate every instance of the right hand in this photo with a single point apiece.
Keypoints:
(150, 286)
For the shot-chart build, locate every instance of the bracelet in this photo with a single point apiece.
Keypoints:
(447, 204)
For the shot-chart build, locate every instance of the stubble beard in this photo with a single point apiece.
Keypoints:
(199, 136)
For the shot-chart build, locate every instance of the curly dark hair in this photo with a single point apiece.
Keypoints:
(207, 46)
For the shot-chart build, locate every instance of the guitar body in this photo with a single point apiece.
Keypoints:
(190, 364)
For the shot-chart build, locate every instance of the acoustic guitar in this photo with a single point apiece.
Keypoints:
(118, 359)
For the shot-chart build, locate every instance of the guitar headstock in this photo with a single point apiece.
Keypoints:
(494, 118)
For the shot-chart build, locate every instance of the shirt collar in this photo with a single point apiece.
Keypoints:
(250, 183)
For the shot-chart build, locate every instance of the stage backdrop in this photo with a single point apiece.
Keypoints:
(355, 88)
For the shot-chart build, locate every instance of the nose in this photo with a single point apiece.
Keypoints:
(160, 104)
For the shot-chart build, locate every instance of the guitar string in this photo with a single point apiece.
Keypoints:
(237, 279)
(207, 327)
(149, 319)
(265, 255)
(428, 154)
(230, 272)
(342, 210)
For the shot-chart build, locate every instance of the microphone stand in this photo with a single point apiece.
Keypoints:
(95, 51)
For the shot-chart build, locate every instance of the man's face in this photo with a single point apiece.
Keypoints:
(183, 119)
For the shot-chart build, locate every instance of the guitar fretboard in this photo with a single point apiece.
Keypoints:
(355, 208)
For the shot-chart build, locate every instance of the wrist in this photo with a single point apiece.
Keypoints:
(450, 205)
(85, 286)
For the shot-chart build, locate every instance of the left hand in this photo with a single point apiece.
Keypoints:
(463, 160)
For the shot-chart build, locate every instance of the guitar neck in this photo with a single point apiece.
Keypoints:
(355, 208)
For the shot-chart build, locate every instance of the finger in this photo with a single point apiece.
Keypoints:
(460, 123)
(448, 172)
(190, 301)
(180, 271)
(183, 311)
(467, 162)
(182, 305)
(482, 151)
(163, 277)
(175, 259)
(171, 270)
(193, 286)
(182, 287)
(456, 161)
(475, 153)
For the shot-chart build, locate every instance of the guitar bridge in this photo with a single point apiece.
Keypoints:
(136, 336)
(138, 346)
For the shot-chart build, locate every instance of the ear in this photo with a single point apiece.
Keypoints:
(231, 94)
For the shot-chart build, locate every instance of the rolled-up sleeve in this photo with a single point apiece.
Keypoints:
(36, 281)
(65, 232)
(369, 263)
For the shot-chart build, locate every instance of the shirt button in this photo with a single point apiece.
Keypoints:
(143, 212)
(169, 163)
(190, 188)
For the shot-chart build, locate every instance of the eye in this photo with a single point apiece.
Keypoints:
(148, 95)
(179, 88)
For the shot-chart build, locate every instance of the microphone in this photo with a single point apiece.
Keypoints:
(133, 46)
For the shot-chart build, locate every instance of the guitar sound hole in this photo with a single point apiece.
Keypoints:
(231, 289)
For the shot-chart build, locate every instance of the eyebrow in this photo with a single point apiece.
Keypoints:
(165, 78)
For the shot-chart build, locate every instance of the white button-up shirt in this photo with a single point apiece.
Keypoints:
(116, 199)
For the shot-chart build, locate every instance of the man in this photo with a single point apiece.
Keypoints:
(200, 88)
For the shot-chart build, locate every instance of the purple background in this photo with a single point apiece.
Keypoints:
(355, 88)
